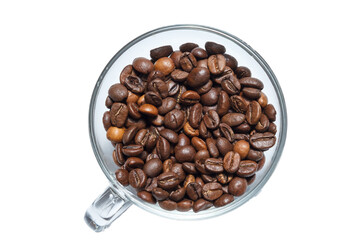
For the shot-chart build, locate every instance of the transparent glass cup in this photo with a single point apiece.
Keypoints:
(116, 198)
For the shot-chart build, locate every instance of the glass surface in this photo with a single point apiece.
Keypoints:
(176, 35)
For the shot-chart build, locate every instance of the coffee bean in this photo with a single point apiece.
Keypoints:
(223, 145)
(254, 155)
(238, 104)
(122, 176)
(143, 65)
(242, 147)
(133, 162)
(243, 128)
(212, 191)
(251, 179)
(214, 165)
(230, 84)
(202, 63)
(134, 84)
(118, 114)
(174, 119)
(148, 110)
(108, 102)
(201, 205)
(237, 186)
(233, 119)
(199, 53)
(270, 112)
(127, 71)
(189, 167)
(185, 154)
(137, 178)
(118, 92)
(195, 115)
(160, 194)
(204, 88)
(226, 131)
(107, 120)
(163, 148)
(180, 76)
(198, 77)
(184, 205)
(133, 111)
(129, 134)
(189, 97)
(198, 143)
(155, 74)
(187, 61)
(211, 145)
(263, 124)
(132, 150)
(251, 83)
(159, 86)
(272, 128)
(223, 105)
(203, 131)
(178, 170)
(153, 167)
(146, 196)
(231, 61)
(160, 52)
(251, 93)
(151, 184)
(164, 65)
(231, 162)
(119, 156)
(223, 200)
(168, 104)
(261, 163)
(193, 191)
(175, 56)
(168, 205)
(188, 179)
(190, 131)
(187, 47)
(211, 119)
(170, 135)
(242, 72)
(216, 64)
(214, 48)
(253, 113)
(262, 141)
(115, 134)
(224, 178)
(210, 98)
(263, 100)
(167, 165)
(168, 180)
(247, 168)
(153, 98)
(178, 194)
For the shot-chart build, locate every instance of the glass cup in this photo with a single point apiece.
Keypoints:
(117, 198)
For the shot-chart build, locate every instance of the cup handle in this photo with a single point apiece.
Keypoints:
(105, 209)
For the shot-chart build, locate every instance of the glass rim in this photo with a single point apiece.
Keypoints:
(215, 211)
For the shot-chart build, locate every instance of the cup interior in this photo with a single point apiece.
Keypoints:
(175, 36)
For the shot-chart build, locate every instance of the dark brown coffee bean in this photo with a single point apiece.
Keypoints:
(178, 170)
(262, 141)
(133, 162)
(160, 52)
(226, 131)
(216, 64)
(204, 88)
(148, 110)
(210, 98)
(127, 71)
(251, 93)
(189, 97)
(174, 119)
(122, 176)
(143, 65)
(216, 133)
(231, 162)
(158, 121)
(199, 181)
(163, 148)
(151, 184)
(242, 147)
(153, 167)
(243, 128)
(230, 84)
(183, 140)
(139, 123)
(187, 47)
(175, 56)
(226, 74)
(200, 165)
(263, 124)
(195, 115)
(107, 120)
(129, 134)
(185, 153)
(159, 86)
(184, 205)
(118, 92)
(133, 109)
(187, 61)
(223, 200)
(272, 128)
(247, 168)
(203, 131)
(261, 163)
(179, 76)
(208, 178)
(202, 63)
(233, 119)
(146, 196)
(255, 155)
(241, 136)
(119, 156)
(211, 146)
(223, 145)
(198, 143)
(168, 104)
(211, 119)
(178, 194)
(193, 191)
(251, 179)
(154, 75)
(208, 108)
(160, 194)
(201, 205)
(224, 178)
(270, 112)
(168, 205)
(231, 61)
(214, 48)
(137, 178)
(223, 105)
(251, 83)
(132, 150)
(188, 179)
(164, 65)
(253, 113)
(142, 137)
(214, 165)
(212, 191)
(168, 180)
(242, 72)
(190, 131)
(237, 186)
(238, 104)
(134, 84)
(118, 114)
(170, 135)
(198, 77)
(189, 167)
(167, 165)
(199, 53)
(108, 102)
(153, 98)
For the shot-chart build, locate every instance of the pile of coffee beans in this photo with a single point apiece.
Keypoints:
(189, 127)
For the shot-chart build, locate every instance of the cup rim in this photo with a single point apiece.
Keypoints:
(282, 132)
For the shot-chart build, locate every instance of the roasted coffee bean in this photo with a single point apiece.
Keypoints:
(241, 136)
(108, 102)
(160, 194)
(187, 47)
(168, 205)
(198, 143)
(216, 64)
(151, 184)
(118, 92)
(242, 147)
(253, 113)
(170, 135)
(137, 178)
(212, 191)
(255, 155)
(251, 179)
(146, 196)
(180, 76)
(203, 131)
(202, 63)
(189, 167)
(263, 124)
(216, 133)
(127, 71)
(178, 194)
(211, 146)
(185, 153)
(163, 148)
(230, 84)
(164, 65)
(158, 121)
(263, 100)
(189, 97)
(223, 145)
(231, 162)
(251, 83)
(155, 74)
(214, 48)
(224, 178)
(208, 108)
(133, 162)
(210, 98)
(188, 179)
(148, 110)
(242, 72)
(243, 128)
(198, 77)
(200, 164)
(133, 111)
(118, 114)
(184, 205)
(262, 141)
(199, 181)
(142, 137)
(223, 200)
(175, 56)
(119, 156)
(233, 119)
(231, 61)
(168, 180)
(247, 168)
(226, 131)
(173, 87)
(107, 120)
(187, 61)
(174, 119)
(272, 128)
(190, 131)
(237, 186)
(193, 191)
(183, 140)
(251, 93)
(201, 205)
(168, 104)
(143, 65)
(159, 86)
(204, 88)
(141, 100)
(195, 115)
(132, 150)
(178, 170)
(153, 167)
(214, 165)
(134, 84)
(199, 53)
(153, 98)
(122, 176)
(160, 52)
(208, 178)
(139, 123)
(132, 98)
(115, 134)
(223, 105)
(270, 112)
(211, 119)
(238, 104)
(129, 134)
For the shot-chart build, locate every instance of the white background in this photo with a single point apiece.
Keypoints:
(51, 54)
